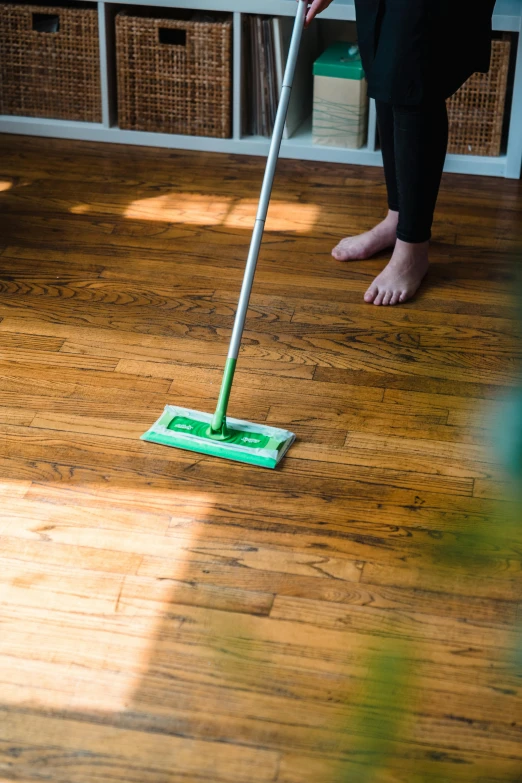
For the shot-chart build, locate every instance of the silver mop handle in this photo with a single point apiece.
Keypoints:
(266, 190)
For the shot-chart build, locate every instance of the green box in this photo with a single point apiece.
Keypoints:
(340, 98)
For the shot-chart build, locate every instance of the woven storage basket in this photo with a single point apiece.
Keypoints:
(476, 111)
(174, 74)
(50, 62)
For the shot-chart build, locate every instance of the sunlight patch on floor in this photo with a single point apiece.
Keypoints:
(206, 210)
(15, 488)
(79, 621)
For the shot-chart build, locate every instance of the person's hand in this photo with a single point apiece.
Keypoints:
(316, 7)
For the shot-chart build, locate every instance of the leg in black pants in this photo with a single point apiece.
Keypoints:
(414, 141)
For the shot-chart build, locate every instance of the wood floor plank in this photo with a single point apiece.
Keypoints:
(425, 424)
(154, 754)
(496, 488)
(456, 403)
(83, 557)
(34, 342)
(496, 587)
(454, 325)
(15, 488)
(502, 584)
(413, 766)
(58, 359)
(486, 389)
(29, 518)
(12, 415)
(41, 586)
(73, 375)
(46, 586)
(188, 305)
(411, 627)
(444, 457)
(364, 465)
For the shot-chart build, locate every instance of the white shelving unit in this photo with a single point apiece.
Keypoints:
(508, 17)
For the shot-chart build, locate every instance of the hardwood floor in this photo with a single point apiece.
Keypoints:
(172, 618)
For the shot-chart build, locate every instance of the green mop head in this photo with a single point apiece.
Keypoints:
(255, 444)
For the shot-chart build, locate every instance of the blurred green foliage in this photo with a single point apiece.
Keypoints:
(492, 546)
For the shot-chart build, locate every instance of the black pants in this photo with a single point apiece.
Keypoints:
(414, 141)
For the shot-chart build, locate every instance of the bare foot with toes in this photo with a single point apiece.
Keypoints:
(366, 245)
(402, 277)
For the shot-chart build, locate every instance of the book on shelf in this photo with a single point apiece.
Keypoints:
(266, 42)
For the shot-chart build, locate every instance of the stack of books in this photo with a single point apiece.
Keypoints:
(266, 41)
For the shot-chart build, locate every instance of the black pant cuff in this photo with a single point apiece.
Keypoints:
(414, 239)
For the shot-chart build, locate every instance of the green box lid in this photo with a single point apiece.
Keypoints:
(340, 61)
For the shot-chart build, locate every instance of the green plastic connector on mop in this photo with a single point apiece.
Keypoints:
(219, 422)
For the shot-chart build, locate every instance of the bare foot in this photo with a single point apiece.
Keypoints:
(366, 245)
(402, 277)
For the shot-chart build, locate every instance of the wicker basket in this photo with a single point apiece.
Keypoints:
(476, 111)
(174, 74)
(50, 62)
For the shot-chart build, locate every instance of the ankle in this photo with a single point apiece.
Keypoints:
(409, 253)
(389, 223)
(392, 217)
(412, 247)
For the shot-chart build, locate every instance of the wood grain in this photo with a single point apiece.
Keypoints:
(172, 618)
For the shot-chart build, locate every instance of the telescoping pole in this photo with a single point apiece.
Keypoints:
(218, 427)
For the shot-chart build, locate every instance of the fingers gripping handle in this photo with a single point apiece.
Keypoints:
(295, 43)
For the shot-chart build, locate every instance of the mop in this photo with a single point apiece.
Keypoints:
(217, 434)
